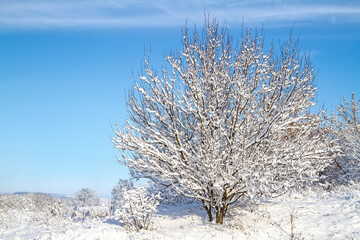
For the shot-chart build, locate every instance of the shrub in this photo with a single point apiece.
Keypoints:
(117, 194)
(345, 126)
(137, 209)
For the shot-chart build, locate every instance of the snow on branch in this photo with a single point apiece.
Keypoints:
(224, 120)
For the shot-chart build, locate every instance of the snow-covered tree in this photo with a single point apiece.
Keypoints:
(137, 209)
(225, 120)
(85, 197)
(346, 128)
(117, 194)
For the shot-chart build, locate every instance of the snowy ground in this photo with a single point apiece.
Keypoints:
(317, 215)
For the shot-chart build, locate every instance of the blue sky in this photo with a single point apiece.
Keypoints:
(65, 67)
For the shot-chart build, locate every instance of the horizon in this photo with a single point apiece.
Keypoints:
(65, 69)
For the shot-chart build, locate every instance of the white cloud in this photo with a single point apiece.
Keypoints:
(141, 13)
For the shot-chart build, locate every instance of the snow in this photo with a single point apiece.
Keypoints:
(318, 214)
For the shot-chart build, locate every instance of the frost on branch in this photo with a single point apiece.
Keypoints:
(225, 120)
(168, 195)
(345, 124)
(137, 209)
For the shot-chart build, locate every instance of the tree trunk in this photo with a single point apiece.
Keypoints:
(220, 214)
(208, 211)
(209, 215)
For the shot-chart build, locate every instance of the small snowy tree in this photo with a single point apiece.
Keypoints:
(85, 197)
(137, 209)
(117, 193)
(346, 128)
(225, 120)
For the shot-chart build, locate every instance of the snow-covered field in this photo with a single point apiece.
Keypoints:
(316, 215)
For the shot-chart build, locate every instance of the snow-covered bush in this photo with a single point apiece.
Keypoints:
(137, 209)
(224, 120)
(85, 197)
(36, 202)
(36, 207)
(89, 213)
(117, 194)
(345, 124)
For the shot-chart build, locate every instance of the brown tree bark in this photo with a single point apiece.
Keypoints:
(220, 214)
